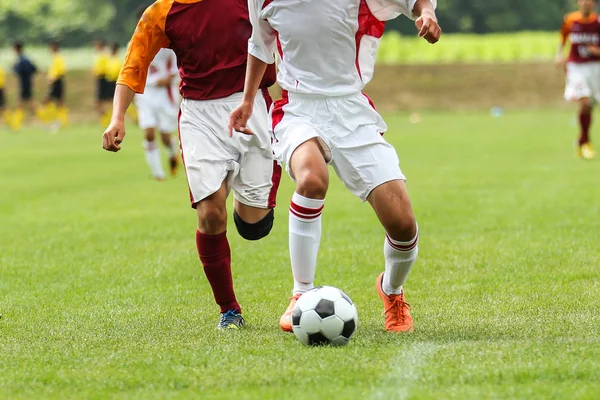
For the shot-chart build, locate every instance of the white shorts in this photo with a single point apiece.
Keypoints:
(583, 80)
(349, 131)
(157, 109)
(245, 162)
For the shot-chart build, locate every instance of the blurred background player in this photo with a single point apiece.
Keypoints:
(5, 115)
(54, 111)
(310, 136)
(103, 98)
(582, 29)
(210, 40)
(113, 68)
(158, 111)
(25, 71)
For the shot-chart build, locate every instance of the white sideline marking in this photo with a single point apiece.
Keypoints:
(405, 371)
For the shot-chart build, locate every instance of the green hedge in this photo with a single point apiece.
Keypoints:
(466, 48)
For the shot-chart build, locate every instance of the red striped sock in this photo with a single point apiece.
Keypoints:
(305, 240)
(399, 259)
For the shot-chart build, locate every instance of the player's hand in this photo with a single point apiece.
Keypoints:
(559, 60)
(428, 27)
(114, 135)
(239, 118)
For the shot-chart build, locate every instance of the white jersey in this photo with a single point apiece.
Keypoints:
(163, 66)
(325, 47)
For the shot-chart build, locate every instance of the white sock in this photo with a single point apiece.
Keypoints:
(399, 259)
(305, 239)
(153, 159)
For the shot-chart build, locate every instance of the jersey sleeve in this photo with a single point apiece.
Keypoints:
(385, 10)
(565, 30)
(149, 37)
(263, 40)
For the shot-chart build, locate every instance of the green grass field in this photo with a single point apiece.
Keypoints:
(102, 295)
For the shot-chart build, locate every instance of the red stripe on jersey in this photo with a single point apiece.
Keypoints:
(266, 3)
(275, 180)
(308, 212)
(276, 174)
(277, 113)
(304, 216)
(408, 247)
(367, 25)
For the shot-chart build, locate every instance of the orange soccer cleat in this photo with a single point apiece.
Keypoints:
(285, 322)
(396, 310)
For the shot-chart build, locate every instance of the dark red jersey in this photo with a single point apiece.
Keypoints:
(582, 31)
(210, 39)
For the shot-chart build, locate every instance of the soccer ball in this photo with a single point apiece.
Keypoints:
(324, 315)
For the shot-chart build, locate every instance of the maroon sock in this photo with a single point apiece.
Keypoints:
(585, 120)
(215, 255)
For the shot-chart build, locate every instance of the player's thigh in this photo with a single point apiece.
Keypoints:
(257, 181)
(147, 118)
(364, 160)
(295, 133)
(578, 83)
(167, 119)
(208, 161)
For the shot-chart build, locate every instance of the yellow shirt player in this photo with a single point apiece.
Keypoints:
(3, 111)
(113, 69)
(54, 109)
(100, 71)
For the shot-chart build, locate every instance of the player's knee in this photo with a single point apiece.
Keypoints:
(403, 229)
(255, 231)
(150, 135)
(212, 218)
(312, 185)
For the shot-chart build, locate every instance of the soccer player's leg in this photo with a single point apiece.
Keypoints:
(62, 112)
(369, 167)
(5, 114)
(392, 206)
(18, 116)
(209, 183)
(215, 254)
(148, 122)
(152, 154)
(584, 148)
(167, 123)
(306, 155)
(579, 89)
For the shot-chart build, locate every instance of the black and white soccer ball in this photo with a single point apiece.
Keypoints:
(324, 315)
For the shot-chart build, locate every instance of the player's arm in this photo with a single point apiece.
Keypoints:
(261, 52)
(421, 11)
(149, 37)
(564, 34)
(427, 22)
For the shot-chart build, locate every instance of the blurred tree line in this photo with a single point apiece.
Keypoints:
(78, 22)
